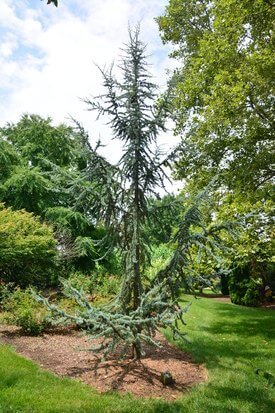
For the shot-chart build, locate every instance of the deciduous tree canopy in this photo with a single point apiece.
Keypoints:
(224, 91)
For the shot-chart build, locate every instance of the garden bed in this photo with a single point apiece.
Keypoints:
(63, 352)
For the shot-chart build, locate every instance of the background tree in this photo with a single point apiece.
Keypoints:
(44, 166)
(224, 108)
(250, 257)
(167, 211)
(224, 91)
(41, 143)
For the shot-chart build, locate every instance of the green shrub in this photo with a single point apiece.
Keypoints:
(243, 288)
(253, 297)
(82, 281)
(106, 284)
(27, 249)
(21, 309)
(100, 283)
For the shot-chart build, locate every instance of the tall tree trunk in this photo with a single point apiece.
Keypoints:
(137, 283)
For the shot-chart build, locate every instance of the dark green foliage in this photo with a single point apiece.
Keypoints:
(27, 188)
(224, 284)
(8, 159)
(55, 2)
(80, 240)
(38, 141)
(243, 288)
(166, 213)
(50, 158)
(69, 221)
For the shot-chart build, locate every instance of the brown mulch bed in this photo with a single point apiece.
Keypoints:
(223, 299)
(60, 352)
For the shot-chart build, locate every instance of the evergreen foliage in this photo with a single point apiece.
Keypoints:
(121, 202)
(166, 213)
(54, 2)
(44, 167)
(27, 188)
(135, 120)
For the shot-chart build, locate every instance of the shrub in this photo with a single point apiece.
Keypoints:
(100, 283)
(252, 297)
(27, 249)
(243, 288)
(82, 281)
(106, 284)
(21, 309)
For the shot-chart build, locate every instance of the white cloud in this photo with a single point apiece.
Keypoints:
(47, 54)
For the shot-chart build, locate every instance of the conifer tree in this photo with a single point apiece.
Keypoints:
(135, 120)
(121, 201)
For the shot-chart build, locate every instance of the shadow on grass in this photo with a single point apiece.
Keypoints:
(243, 322)
(233, 344)
(237, 333)
(7, 381)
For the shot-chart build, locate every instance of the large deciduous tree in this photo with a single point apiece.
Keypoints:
(224, 91)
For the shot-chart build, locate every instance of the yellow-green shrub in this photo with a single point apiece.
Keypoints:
(27, 248)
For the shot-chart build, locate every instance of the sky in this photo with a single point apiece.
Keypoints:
(48, 57)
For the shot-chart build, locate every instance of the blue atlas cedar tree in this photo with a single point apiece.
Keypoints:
(142, 306)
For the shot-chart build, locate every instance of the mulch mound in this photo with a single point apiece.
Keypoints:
(63, 352)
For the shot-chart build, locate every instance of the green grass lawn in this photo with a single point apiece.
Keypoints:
(231, 341)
